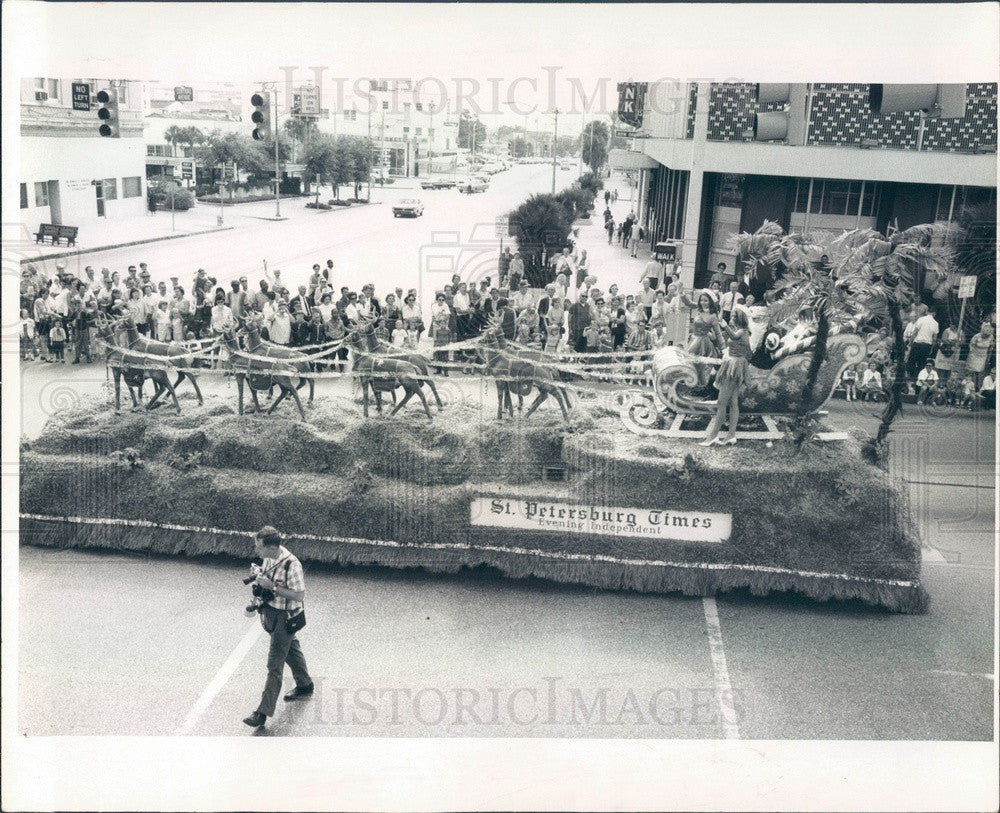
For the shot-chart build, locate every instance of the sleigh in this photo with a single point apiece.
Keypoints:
(673, 398)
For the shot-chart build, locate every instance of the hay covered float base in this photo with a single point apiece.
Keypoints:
(593, 504)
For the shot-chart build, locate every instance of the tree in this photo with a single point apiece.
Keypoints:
(566, 145)
(520, 148)
(220, 148)
(470, 128)
(173, 135)
(540, 223)
(192, 137)
(361, 161)
(299, 131)
(319, 161)
(594, 144)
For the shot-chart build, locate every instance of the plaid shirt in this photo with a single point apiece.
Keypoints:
(292, 578)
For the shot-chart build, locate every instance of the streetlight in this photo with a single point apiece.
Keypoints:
(555, 141)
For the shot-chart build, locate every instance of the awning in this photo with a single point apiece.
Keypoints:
(627, 159)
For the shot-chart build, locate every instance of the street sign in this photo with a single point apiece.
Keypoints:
(187, 169)
(967, 287)
(229, 171)
(502, 226)
(81, 96)
(183, 94)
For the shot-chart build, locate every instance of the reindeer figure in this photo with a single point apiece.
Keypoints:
(382, 347)
(518, 375)
(384, 374)
(261, 373)
(175, 355)
(258, 347)
(134, 368)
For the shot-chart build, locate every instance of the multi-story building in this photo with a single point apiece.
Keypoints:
(702, 177)
(70, 174)
(411, 133)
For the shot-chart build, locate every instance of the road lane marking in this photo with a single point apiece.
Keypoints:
(723, 687)
(221, 678)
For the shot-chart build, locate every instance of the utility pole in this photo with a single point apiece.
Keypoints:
(370, 150)
(555, 140)
(579, 168)
(430, 161)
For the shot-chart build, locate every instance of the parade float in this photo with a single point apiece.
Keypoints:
(604, 487)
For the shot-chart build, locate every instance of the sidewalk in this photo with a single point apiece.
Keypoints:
(612, 264)
(98, 236)
(202, 218)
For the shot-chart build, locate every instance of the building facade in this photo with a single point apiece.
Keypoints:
(703, 178)
(412, 134)
(70, 174)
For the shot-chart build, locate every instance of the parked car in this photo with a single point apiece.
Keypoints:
(471, 185)
(411, 207)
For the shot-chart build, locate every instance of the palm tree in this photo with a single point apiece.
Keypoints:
(868, 276)
(173, 135)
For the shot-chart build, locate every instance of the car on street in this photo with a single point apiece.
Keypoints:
(471, 185)
(437, 183)
(410, 207)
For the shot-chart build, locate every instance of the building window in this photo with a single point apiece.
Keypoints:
(430, 132)
(158, 150)
(41, 194)
(835, 195)
(24, 196)
(110, 188)
(869, 199)
(350, 115)
(385, 105)
(406, 132)
(406, 106)
(53, 88)
(132, 187)
(802, 195)
(418, 105)
(729, 192)
(420, 131)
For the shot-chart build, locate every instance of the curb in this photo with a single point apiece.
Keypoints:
(64, 254)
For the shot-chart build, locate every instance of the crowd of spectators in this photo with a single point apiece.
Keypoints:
(942, 366)
(572, 314)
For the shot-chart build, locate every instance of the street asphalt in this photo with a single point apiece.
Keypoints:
(133, 645)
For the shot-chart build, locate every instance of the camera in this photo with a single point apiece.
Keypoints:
(261, 595)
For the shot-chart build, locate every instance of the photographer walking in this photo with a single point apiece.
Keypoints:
(279, 589)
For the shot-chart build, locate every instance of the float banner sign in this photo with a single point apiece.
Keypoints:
(583, 518)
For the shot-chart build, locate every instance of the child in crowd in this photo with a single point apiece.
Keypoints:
(606, 342)
(57, 340)
(592, 333)
(162, 322)
(968, 392)
(553, 338)
(871, 384)
(850, 381)
(29, 337)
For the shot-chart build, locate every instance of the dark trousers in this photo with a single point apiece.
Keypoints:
(919, 353)
(285, 648)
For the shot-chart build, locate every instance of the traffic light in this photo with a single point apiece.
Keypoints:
(936, 101)
(261, 116)
(108, 114)
(787, 125)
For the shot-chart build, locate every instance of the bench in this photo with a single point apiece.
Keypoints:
(57, 233)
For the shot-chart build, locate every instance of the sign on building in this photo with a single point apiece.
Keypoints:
(183, 94)
(81, 96)
(631, 102)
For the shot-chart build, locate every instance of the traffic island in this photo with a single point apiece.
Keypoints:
(590, 504)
